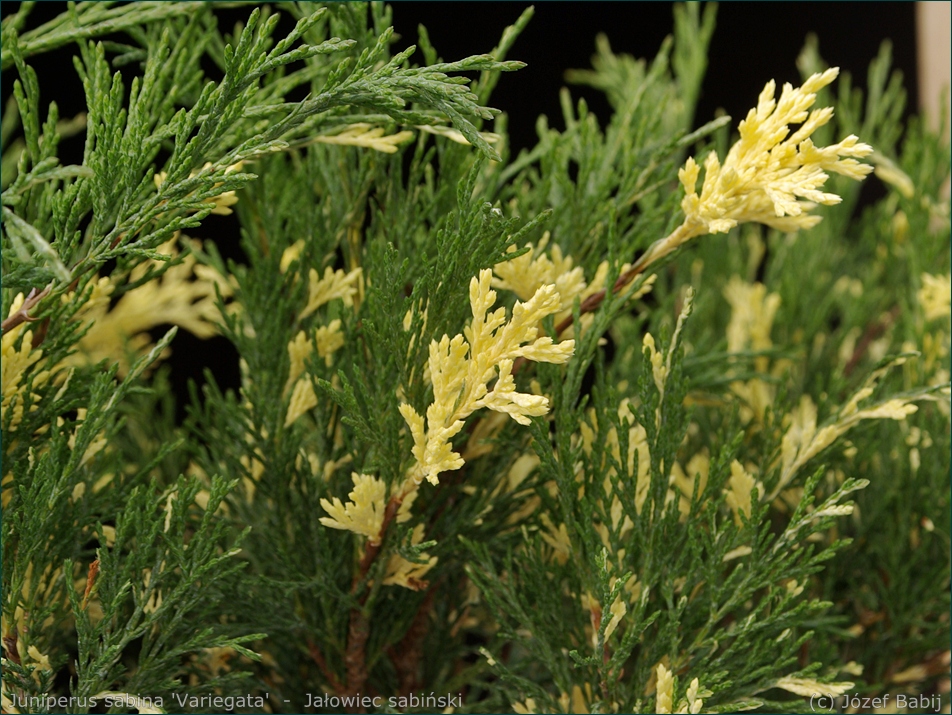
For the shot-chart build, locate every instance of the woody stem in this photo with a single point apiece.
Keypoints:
(355, 658)
(656, 251)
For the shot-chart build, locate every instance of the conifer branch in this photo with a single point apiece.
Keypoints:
(668, 524)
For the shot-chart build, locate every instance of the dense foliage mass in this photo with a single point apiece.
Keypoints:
(648, 418)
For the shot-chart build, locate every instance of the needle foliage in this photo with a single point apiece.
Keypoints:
(594, 427)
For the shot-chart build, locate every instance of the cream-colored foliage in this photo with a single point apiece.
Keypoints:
(302, 401)
(6, 701)
(20, 637)
(664, 689)
(154, 601)
(581, 698)
(888, 172)
(698, 468)
(98, 443)
(526, 708)
(558, 539)
(254, 466)
(802, 440)
(15, 364)
(216, 661)
(807, 687)
(694, 698)
(532, 270)
(290, 255)
(578, 701)
(40, 660)
(405, 512)
(660, 366)
(334, 284)
(368, 137)
(299, 350)
(24, 622)
(363, 514)
(638, 445)
(935, 296)
(740, 487)
(737, 553)
(401, 572)
(752, 315)
(770, 176)
(222, 202)
(527, 273)
(618, 610)
(637, 449)
(455, 135)
(659, 371)
(184, 296)
(329, 339)
(461, 368)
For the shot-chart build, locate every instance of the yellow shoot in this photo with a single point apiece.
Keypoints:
(223, 202)
(664, 689)
(334, 284)
(363, 514)
(184, 296)
(461, 368)
(770, 176)
(368, 137)
(401, 572)
(935, 296)
(15, 364)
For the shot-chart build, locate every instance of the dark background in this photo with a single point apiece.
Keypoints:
(752, 43)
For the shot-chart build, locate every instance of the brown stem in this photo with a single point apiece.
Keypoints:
(355, 659)
(328, 674)
(23, 315)
(656, 251)
(10, 646)
(39, 335)
(873, 331)
(595, 616)
(358, 631)
(90, 581)
(118, 239)
(373, 549)
(407, 654)
(591, 304)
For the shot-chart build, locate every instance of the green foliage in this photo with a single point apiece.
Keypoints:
(734, 494)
